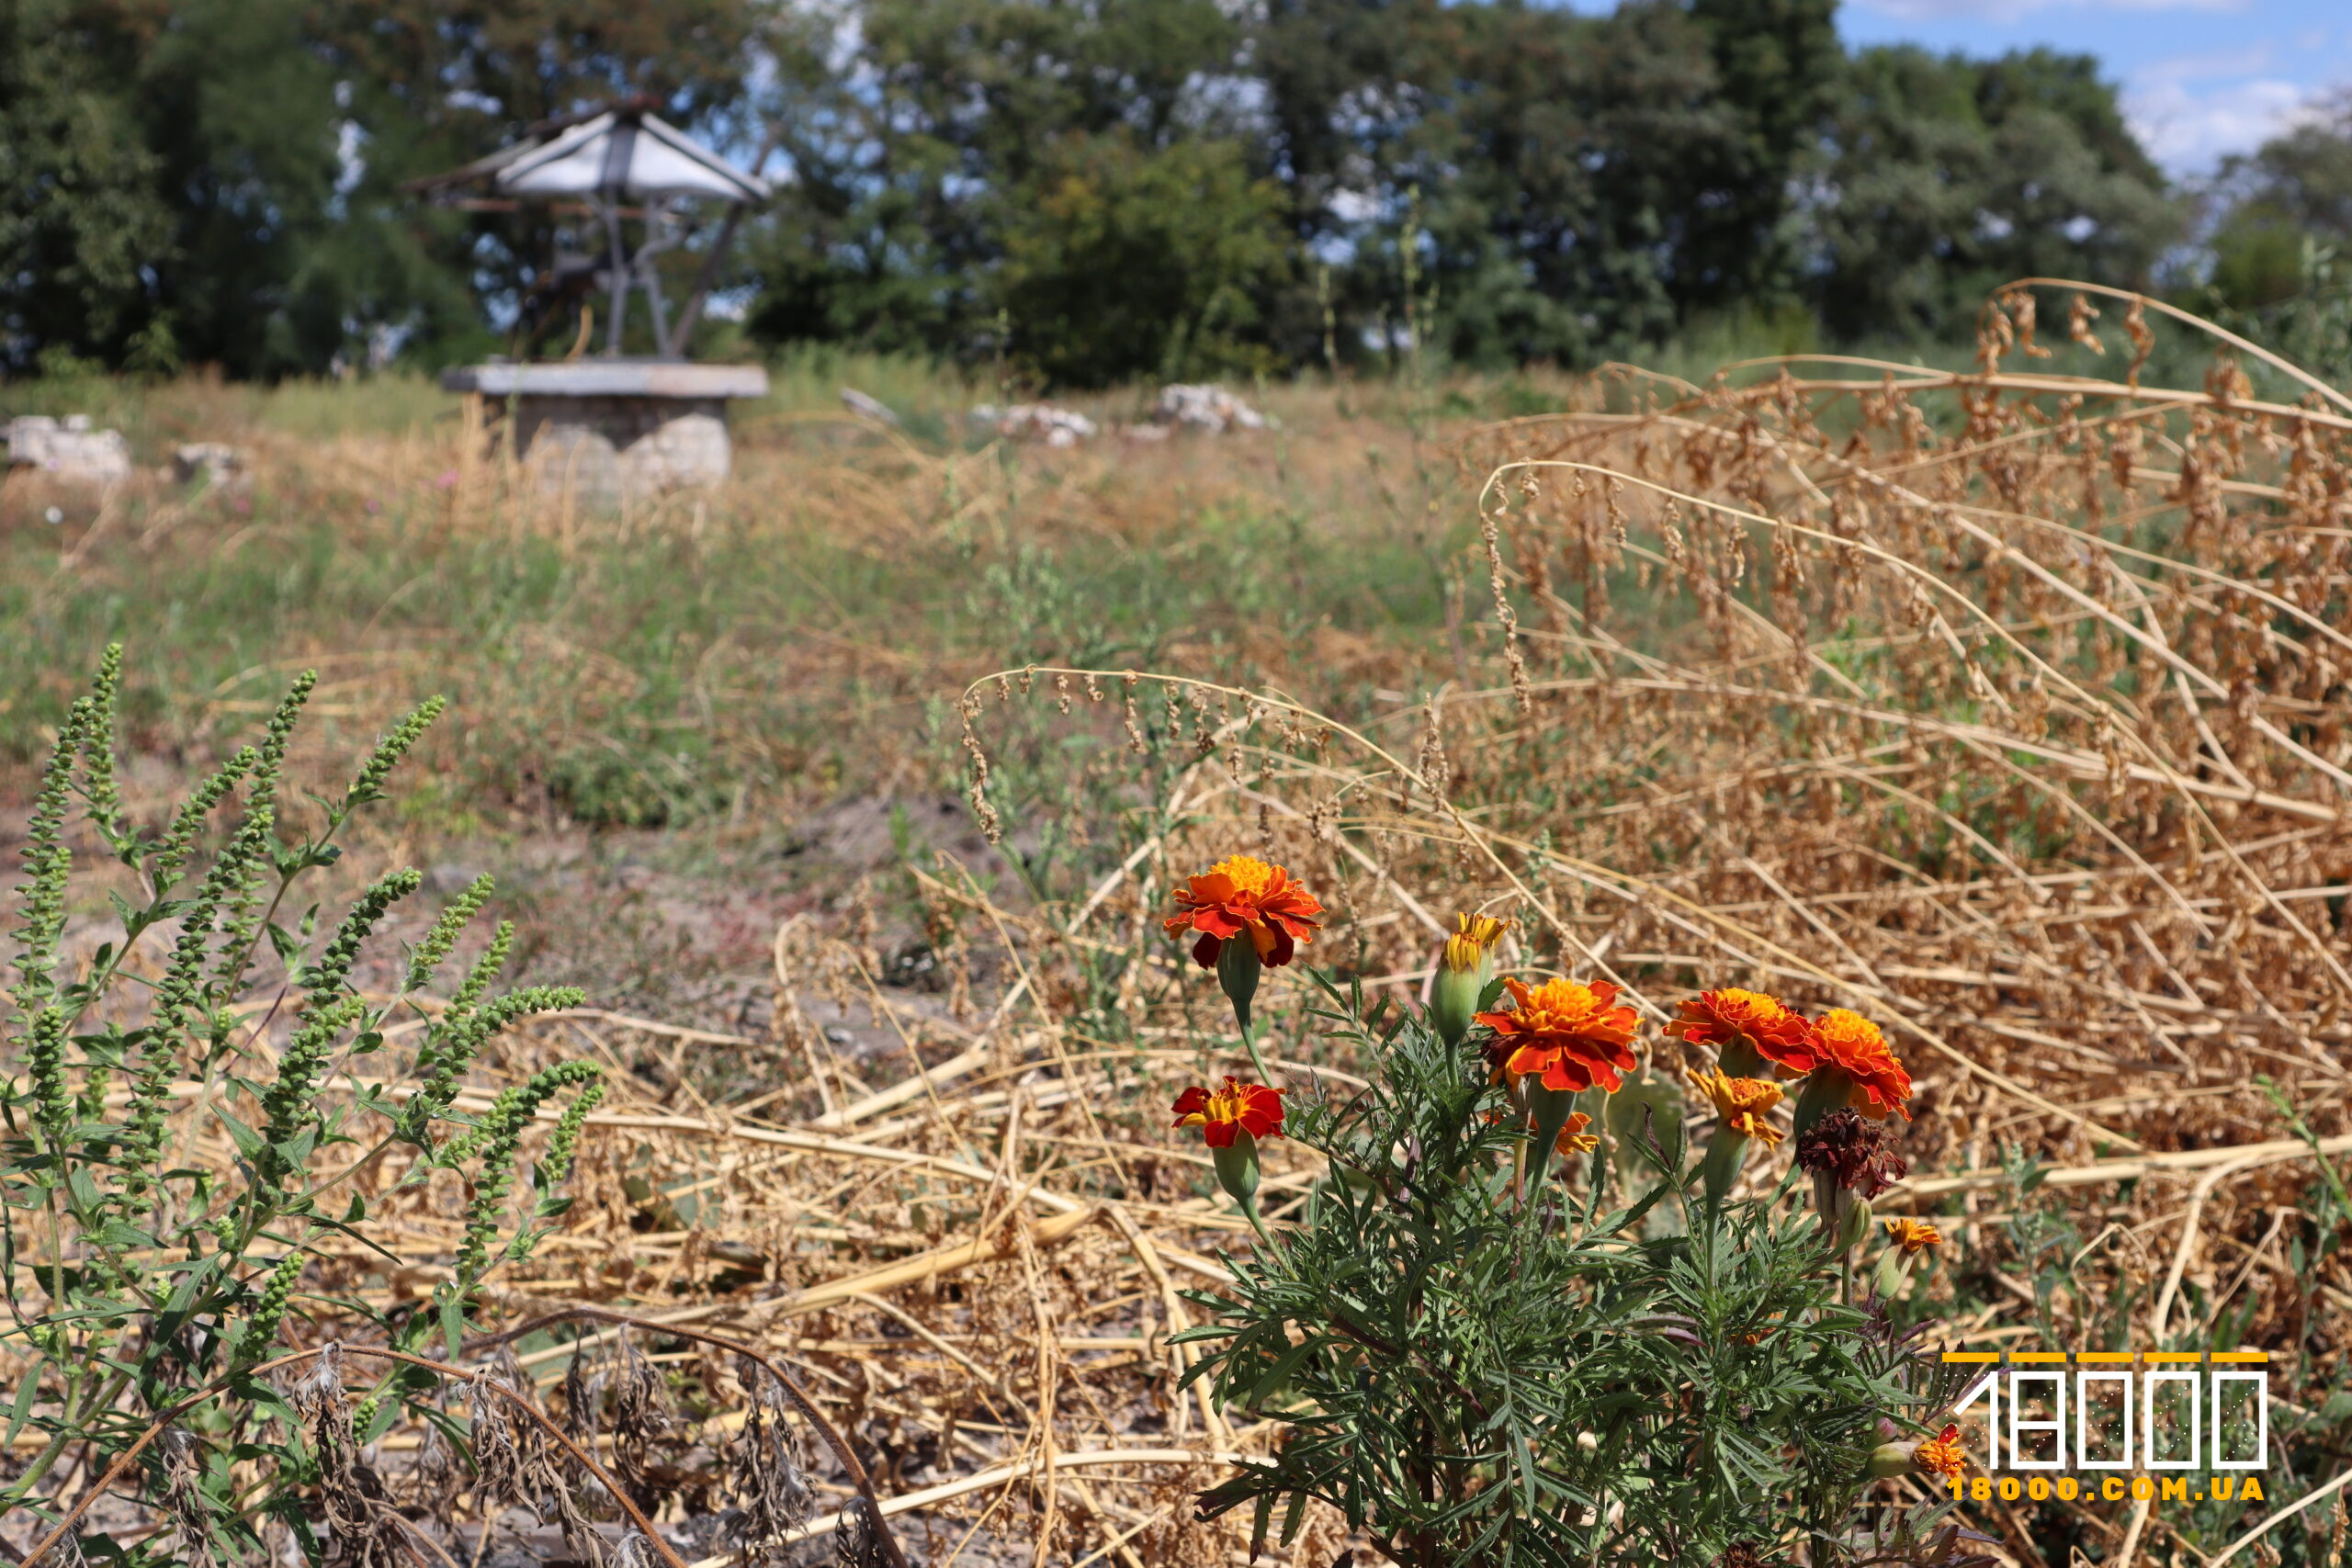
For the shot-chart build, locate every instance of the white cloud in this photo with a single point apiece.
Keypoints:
(2011, 10)
(2254, 60)
(2187, 131)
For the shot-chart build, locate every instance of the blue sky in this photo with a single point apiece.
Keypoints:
(2200, 78)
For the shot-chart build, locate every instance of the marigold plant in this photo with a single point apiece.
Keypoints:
(1476, 1364)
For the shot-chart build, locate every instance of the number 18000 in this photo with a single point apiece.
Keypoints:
(2123, 1420)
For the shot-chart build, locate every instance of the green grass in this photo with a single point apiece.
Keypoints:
(793, 637)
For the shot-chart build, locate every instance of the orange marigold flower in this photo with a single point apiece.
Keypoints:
(1764, 1023)
(1850, 1044)
(1574, 1035)
(1743, 1103)
(1913, 1236)
(1474, 936)
(1940, 1455)
(1574, 1139)
(1238, 1107)
(1240, 893)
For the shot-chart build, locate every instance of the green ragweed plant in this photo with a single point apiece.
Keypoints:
(145, 1283)
(1482, 1354)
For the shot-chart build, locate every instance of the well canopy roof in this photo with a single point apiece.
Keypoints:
(623, 152)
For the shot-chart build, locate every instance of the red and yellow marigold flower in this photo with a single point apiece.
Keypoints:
(1913, 1236)
(1851, 1047)
(1237, 1107)
(1740, 1024)
(1565, 1034)
(1742, 1103)
(1940, 1455)
(1243, 894)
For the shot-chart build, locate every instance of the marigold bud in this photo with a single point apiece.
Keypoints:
(1854, 1221)
(1237, 1170)
(1465, 967)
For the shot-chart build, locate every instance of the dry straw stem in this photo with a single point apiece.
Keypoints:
(155, 1428)
(2156, 766)
(843, 1450)
(1009, 1475)
(2148, 302)
(2316, 1493)
(1488, 843)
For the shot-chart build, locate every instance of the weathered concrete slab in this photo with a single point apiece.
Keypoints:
(610, 379)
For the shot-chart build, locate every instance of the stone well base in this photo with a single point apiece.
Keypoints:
(623, 446)
(615, 430)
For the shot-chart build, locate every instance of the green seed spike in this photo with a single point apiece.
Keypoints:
(369, 784)
(45, 1063)
(270, 1310)
(429, 954)
(497, 1138)
(485, 970)
(256, 839)
(48, 862)
(97, 750)
(334, 968)
(178, 844)
(458, 1041)
(287, 1100)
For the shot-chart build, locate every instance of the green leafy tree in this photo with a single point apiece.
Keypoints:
(2279, 264)
(79, 216)
(913, 173)
(1777, 65)
(219, 181)
(1583, 183)
(1578, 138)
(2304, 174)
(1121, 261)
(2281, 207)
(1951, 176)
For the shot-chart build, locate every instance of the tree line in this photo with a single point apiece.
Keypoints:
(1085, 192)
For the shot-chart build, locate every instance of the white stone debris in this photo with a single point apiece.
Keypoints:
(68, 449)
(213, 462)
(870, 406)
(1203, 406)
(1037, 421)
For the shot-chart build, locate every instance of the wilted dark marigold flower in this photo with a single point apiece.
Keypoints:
(1942, 1454)
(1857, 1153)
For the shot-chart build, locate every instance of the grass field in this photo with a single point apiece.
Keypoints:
(2007, 709)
